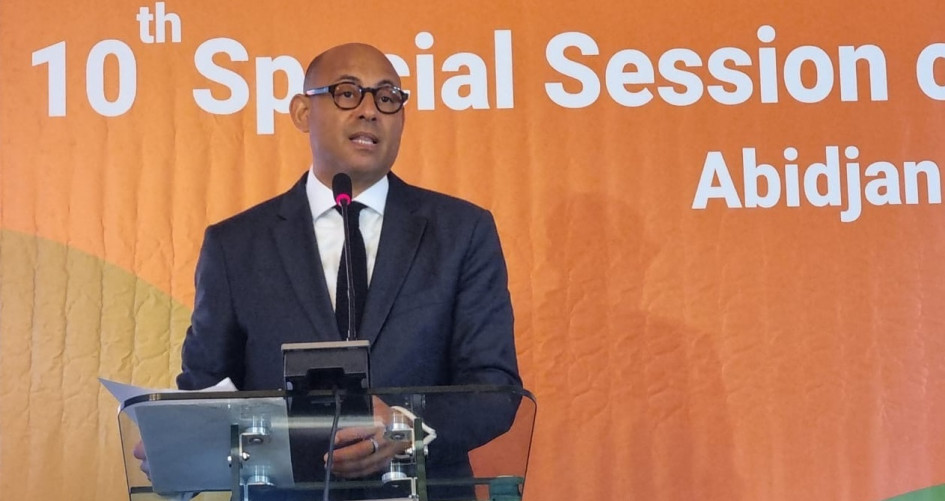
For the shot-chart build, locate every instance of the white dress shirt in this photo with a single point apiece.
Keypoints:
(330, 231)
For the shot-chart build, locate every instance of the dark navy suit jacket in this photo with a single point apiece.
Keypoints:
(438, 310)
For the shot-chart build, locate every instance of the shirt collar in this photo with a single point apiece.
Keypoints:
(321, 199)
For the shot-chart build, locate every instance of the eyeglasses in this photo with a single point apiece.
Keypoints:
(348, 96)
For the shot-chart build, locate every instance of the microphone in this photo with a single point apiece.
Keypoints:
(341, 189)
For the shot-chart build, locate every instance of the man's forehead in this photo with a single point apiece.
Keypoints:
(359, 63)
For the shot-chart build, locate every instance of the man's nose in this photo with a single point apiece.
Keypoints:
(368, 108)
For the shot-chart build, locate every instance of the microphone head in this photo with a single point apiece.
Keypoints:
(341, 188)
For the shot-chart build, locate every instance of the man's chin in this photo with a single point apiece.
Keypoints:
(366, 175)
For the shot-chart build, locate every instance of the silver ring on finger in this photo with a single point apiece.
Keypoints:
(374, 444)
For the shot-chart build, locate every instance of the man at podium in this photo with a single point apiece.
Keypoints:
(433, 299)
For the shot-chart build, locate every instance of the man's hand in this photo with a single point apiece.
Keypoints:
(363, 451)
(142, 456)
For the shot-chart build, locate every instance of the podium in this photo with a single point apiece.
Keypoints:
(456, 443)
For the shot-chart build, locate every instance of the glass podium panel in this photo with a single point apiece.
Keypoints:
(451, 443)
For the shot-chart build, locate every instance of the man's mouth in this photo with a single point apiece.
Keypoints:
(363, 138)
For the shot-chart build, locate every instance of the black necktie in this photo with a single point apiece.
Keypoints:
(359, 271)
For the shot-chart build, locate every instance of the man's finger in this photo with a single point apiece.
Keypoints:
(362, 458)
(354, 434)
(139, 453)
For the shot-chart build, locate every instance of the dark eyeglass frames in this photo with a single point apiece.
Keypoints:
(348, 96)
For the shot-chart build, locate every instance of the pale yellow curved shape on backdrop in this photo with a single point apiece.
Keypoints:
(67, 317)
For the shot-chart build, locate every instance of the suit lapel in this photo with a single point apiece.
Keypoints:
(400, 239)
(294, 234)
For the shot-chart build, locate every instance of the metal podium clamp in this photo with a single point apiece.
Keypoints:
(257, 433)
(400, 431)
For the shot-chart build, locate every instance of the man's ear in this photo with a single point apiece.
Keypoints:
(299, 108)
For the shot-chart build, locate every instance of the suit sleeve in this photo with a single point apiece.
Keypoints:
(214, 346)
(482, 352)
(483, 346)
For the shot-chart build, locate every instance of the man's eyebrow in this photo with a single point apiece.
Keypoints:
(348, 78)
(354, 79)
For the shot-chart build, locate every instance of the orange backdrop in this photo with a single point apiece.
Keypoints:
(778, 350)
